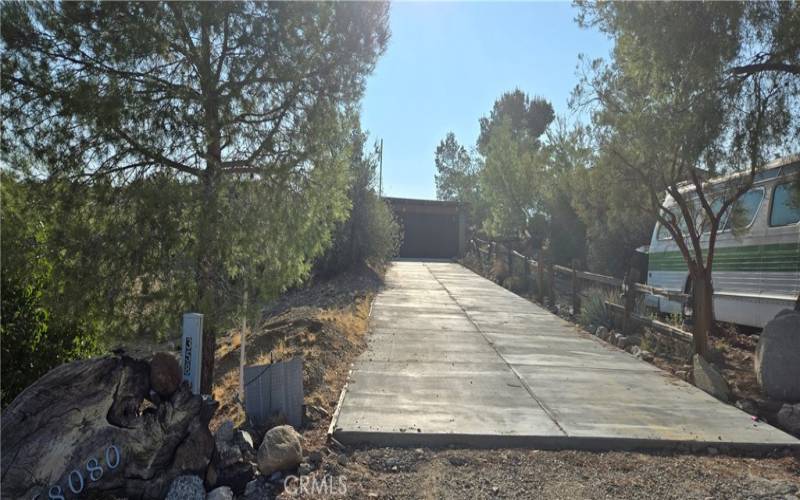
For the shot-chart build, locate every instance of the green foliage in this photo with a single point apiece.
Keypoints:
(33, 337)
(455, 175)
(512, 180)
(457, 178)
(671, 101)
(594, 310)
(526, 119)
(370, 234)
(178, 154)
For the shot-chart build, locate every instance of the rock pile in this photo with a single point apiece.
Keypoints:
(109, 426)
(239, 470)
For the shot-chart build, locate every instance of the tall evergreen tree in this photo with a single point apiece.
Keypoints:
(209, 92)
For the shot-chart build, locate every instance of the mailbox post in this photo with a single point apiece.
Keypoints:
(192, 349)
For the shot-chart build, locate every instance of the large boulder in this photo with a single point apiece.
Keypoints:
(88, 414)
(280, 450)
(777, 359)
(709, 379)
(186, 488)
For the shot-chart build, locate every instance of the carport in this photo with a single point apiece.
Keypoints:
(431, 228)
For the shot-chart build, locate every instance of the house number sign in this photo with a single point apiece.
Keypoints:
(91, 472)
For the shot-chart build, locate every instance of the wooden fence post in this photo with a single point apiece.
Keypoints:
(526, 270)
(576, 289)
(630, 299)
(551, 283)
(540, 278)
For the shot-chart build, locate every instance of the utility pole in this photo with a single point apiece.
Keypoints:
(380, 172)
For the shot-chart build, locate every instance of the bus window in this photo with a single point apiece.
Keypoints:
(705, 223)
(663, 234)
(745, 209)
(785, 204)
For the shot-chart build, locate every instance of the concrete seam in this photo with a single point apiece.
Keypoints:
(527, 386)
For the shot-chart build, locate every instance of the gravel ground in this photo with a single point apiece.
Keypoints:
(459, 474)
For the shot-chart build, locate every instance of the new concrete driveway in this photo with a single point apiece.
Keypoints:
(456, 359)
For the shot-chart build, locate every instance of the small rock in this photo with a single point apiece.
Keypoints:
(228, 454)
(257, 489)
(221, 493)
(622, 341)
(304, 469)
(682, 374)
(236, 476)
(592, 329)
(225, 433)
(165, 374)
(457, 461)
(601, 332)
(709, 379)
(495, 490)
(789, 418)
(315, 457)
(194, 453)
(280, 450)
(636, 351)
(211, 476)
(748, 406)
(186, 488)
(647, 356)
(342, 459)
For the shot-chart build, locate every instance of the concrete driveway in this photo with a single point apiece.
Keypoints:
(454, 359)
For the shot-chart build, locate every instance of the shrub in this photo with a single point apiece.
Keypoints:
(517, 284)
(371, 233)
(33, 337)
(33, 342)
(594, 310)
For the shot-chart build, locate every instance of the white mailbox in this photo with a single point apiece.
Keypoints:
(192, 349)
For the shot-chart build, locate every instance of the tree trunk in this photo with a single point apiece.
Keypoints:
(210, 254)
(209, 273)
(703, 310)
(81, 430)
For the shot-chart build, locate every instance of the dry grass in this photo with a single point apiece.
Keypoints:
(328, 338)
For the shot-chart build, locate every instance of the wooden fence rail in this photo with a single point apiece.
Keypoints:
(488, 251)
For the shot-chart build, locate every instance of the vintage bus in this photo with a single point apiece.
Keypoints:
(756, 270)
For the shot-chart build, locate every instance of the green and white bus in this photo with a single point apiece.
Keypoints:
(756, 270)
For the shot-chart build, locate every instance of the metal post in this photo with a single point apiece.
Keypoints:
(192, 350)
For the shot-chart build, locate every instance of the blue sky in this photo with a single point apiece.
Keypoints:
(447, 63)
